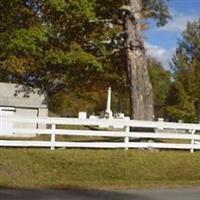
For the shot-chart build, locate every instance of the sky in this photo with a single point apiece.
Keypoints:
(161, 42)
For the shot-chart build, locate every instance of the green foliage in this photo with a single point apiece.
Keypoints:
(160, 80)
(157, 9)
(28, 41)
(39, 49)
(186, 104)
(181, 106)
(73, 58)
(69, 104)
(68, 43)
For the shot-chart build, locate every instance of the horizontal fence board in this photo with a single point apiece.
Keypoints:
(71, 132)
(99, 144)
(126, 123)
(163, 145)
(91, 144)
(165, 135)
(17, 143)
(161, 135)
(103, 122)
(123, 145)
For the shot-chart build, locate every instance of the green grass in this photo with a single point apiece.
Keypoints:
(42, 168)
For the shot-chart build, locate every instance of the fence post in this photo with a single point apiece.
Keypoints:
(53, 136)
(126, 139)
(192, 140)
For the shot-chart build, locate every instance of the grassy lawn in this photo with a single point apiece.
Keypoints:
(42, 168)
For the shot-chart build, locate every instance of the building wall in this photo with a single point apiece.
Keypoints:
(23, 103)
(17, 96)
(6, 128)
(26, 112)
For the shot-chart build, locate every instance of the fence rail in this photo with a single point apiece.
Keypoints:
(187, 134)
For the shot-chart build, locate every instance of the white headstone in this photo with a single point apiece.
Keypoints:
(82, 115)
(93, 117)
(161, 119)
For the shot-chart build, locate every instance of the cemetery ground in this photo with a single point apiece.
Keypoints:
(31, 168)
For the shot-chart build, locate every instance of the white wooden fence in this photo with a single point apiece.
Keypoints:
(187, 134)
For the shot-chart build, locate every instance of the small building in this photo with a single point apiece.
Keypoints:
(15, 100)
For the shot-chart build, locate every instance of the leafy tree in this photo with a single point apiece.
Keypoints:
(92, 98)
(185, 104)
(161, 82)
(58, 44)
(130, 15)
(47, 44)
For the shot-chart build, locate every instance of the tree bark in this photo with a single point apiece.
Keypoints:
(141, 95)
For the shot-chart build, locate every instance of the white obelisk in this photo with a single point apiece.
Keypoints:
(108, 105)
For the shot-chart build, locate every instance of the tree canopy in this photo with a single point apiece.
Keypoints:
(184, 102)
(161, 83)
(49, 42)
(68, 44)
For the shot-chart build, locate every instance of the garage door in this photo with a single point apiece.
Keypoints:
(6, 127)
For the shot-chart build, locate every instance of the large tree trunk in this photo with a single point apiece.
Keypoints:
(141, 95)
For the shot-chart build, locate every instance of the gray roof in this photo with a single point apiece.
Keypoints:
(17, 96)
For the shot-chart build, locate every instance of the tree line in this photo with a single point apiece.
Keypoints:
(74, 50)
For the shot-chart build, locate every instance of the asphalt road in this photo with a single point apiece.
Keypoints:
(162, 194)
